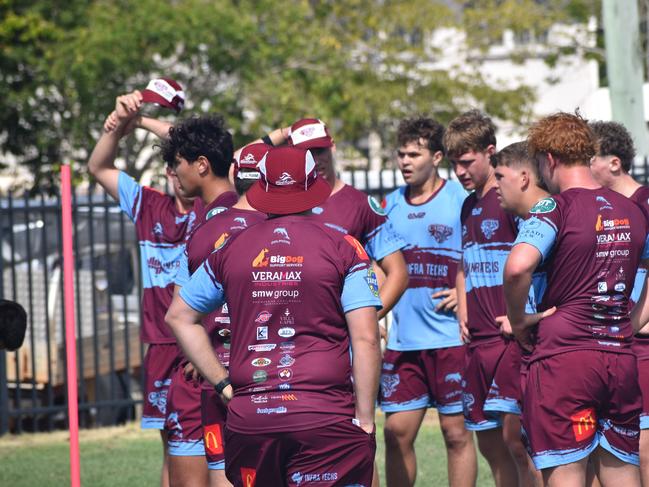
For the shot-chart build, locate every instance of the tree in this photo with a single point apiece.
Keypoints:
(358, 64)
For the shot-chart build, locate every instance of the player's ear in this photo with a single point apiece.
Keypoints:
(524, 178)
(614, 164)
(437, 158)
(203, 165)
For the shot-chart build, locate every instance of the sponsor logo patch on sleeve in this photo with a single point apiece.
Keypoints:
(546, 205)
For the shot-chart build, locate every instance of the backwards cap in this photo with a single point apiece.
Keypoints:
(310, 133)
(165, 92)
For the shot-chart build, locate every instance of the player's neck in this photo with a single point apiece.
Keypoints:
(418, 194)
(243, 204)
(577, 176)
(488, 186)
(184, 205)
(532, 197)
(215, 187)
(625, 185)
(336, 185)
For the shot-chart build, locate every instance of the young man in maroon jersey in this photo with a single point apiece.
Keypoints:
(299, 294)
(349, 210)
(162, 224)
(611, 166)
(487, 235)
(581, 394)
(203, 410)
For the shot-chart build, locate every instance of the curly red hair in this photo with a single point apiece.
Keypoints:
(566, 136)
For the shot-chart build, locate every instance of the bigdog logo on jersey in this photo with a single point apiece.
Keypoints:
(261, 260)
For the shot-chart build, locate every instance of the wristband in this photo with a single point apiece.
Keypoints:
(266, 140)
(222, 385)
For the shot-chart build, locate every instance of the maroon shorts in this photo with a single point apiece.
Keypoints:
(213, 415)
(423, 378)
(643, 381)
(338, 454)
(481, 364)
(184, 427)
(576, 401)
(159, 362)
(505, 391)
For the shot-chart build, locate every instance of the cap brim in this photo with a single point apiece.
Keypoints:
(278, 203)
(149, 96)
(320, 143)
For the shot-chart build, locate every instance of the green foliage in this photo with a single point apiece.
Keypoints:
(360, 65)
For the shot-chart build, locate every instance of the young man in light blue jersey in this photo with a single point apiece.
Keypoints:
(424, 362)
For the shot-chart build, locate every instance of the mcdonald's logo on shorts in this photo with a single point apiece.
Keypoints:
(584, 424)
(248, 476)
(213, 439)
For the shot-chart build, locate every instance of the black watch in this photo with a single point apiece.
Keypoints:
(222, 385)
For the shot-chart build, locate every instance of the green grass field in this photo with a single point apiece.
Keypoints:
(129, 456)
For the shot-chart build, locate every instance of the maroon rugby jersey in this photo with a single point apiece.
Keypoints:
(487, 237)
(641, 342)
(592, 242)
(287, 282)
(211, 234)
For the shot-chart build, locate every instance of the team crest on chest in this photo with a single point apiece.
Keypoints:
(489, 227)
(441, 233)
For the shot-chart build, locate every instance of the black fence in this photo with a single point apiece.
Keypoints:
(33, 380)
(107, 282)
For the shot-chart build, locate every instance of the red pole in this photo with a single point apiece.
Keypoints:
(70, 338)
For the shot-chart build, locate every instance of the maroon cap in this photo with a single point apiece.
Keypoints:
(248, 159)
(289, 182)
(165, 92)
(310, 133)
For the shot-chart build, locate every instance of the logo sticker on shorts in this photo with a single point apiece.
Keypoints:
(584, 424)
(389, 383)
(546, 205)
(248, 476)
(213, 439)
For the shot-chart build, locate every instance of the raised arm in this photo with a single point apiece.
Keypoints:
(118, 124)
(366, 362)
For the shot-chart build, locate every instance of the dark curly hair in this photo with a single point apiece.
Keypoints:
(200, 136)
(416, 129)
(564, 135)
(470, 131)
(613, 139)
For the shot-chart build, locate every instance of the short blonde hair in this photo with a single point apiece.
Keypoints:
(471, 131)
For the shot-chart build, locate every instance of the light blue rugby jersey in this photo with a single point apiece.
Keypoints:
(433, 233)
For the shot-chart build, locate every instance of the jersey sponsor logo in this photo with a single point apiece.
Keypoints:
(215, 211)
(482, 267)
(262, 333)
(157, 229)
(619, 287)
(489, 227)
(360, 251)
(220, 242)
(612, 224)
(276, 294)
(224, 332)
(260, 260)
(259, 399)
(286, 260)
(286, 332)
(264, 347)
(287, 346)
(614, 237)
(389, 383)
(476, 212)
(159, 267)
(261, 362)
(248, 476)
(259, 376)
(415, 216)
(284, 397)
(286, 318)
(263, 317)
(298, 478)
(213, 438)
(372, 282)
(375, 206)
(284, 387)
(286, 361)
(546, 205)
(285, 374)
(602, 287)
(277, 410)
(584, 424)
(241, 221)
(453, 377)
(287, 277)
(439, 232)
